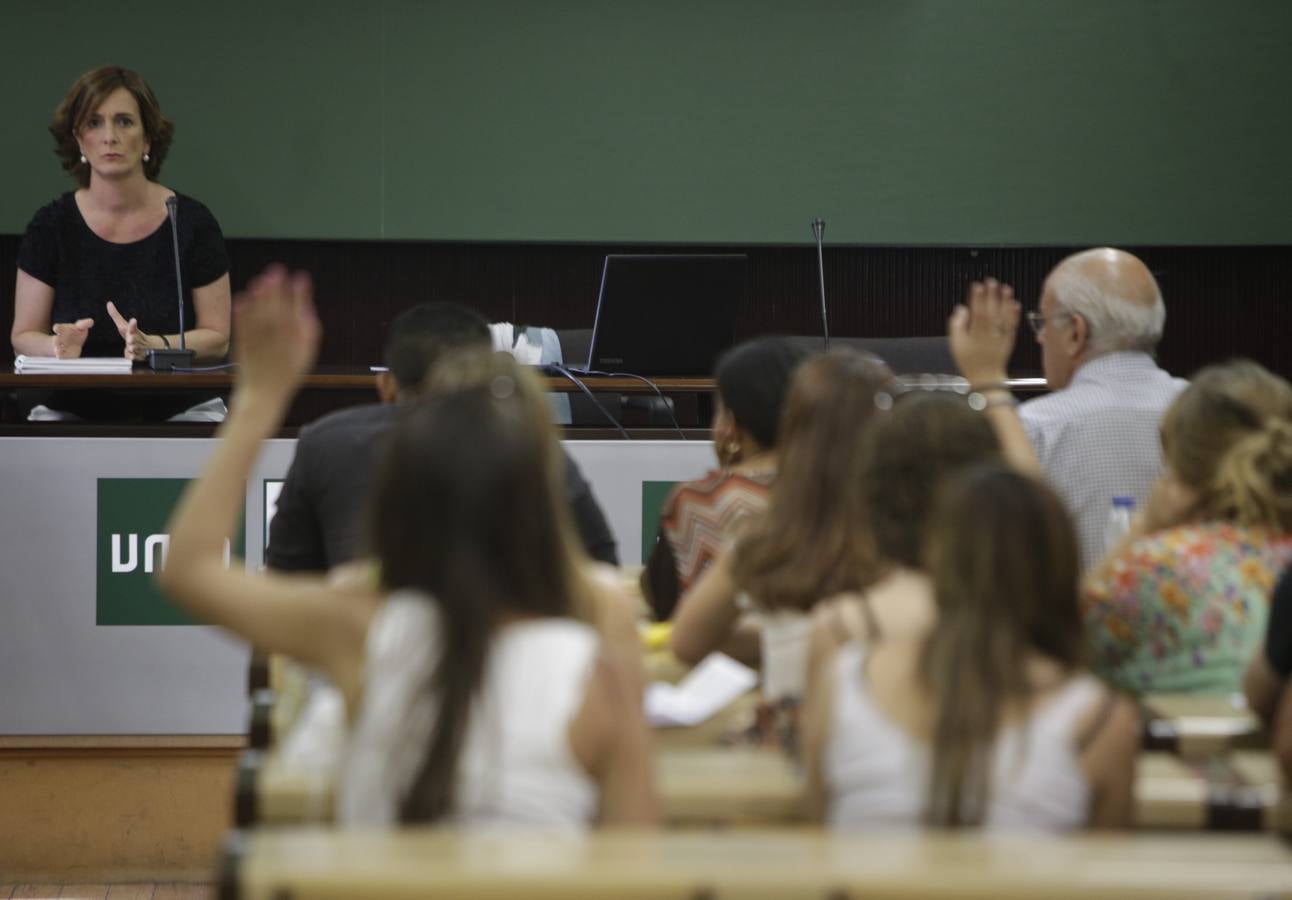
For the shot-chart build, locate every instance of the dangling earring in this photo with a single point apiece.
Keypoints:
(146, 157)
(82, 159)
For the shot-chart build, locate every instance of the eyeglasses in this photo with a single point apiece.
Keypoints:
(1037, 321)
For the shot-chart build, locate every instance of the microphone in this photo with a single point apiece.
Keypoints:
(818, 232)
(174, 357)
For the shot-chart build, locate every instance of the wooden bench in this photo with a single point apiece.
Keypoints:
(807, 863)
(1199, 727)
(749, 786)
(701, 782)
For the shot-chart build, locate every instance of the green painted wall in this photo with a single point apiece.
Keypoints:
(925, 121)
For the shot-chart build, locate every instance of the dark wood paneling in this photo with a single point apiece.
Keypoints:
(1221, 301)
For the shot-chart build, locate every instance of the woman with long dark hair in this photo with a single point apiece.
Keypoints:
(988, 718)
(810, 542)
(476, 692)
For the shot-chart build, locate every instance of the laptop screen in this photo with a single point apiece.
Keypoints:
(666, 314)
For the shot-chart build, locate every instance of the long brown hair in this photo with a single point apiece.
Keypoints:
(1228, 437)
(810, 543)
(1003, 556)
(468, 511)
(87, 95)
(926, 438)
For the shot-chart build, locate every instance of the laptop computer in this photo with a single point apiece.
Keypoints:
(666, 314)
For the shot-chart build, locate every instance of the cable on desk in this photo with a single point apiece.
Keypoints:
(561, 370)
(220, 368)
(653, 386)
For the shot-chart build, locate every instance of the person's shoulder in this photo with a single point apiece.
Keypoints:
(698, 490)
(53, 213)
(357, 421)
(193, 211)
(1039, 412)
(573, 473)
(713, 481)
(1176, 555)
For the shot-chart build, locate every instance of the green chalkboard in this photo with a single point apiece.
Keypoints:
(898, 121)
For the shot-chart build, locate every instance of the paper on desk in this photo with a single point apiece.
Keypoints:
(81, 365)
(710, 686)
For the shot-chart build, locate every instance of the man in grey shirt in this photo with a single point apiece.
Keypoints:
(1100, 319)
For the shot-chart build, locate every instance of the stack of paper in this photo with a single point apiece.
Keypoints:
(83, 365)
(709, 687)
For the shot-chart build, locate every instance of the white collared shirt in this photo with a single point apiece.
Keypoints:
(1098, 438)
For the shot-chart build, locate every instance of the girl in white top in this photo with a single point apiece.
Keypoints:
(475, 693)
(986, 718)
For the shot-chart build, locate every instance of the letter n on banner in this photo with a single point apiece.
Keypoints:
(131, 547)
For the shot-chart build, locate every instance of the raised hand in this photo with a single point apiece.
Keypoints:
(277, 330)
(69, 337)
(982, 331)
(137, 343)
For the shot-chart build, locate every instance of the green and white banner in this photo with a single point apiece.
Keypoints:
(131, 546)
(89, 646)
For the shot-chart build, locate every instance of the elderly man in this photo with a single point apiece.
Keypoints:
(1100, 319)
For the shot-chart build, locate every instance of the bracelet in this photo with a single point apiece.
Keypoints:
(165, 340)
(1000, 396)
(989, 386)
(1000, 400)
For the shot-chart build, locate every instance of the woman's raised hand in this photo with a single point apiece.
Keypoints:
(277, 331)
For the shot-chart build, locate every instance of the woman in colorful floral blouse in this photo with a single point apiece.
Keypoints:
(1180, 605)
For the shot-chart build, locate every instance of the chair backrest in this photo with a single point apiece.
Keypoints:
(904, 355)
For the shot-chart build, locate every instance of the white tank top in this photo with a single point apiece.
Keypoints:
(877, 775)
(516, 768)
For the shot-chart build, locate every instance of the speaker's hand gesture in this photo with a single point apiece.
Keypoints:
(69, 337)
(137, 343)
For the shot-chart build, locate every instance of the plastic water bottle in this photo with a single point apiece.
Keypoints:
(1119, 521)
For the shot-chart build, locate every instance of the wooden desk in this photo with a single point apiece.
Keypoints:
(697, 785)
(798, 863)
(729, 786)
(748, 786)
(326, 378)
(702, 782)
(335, 387)
(1198, 727)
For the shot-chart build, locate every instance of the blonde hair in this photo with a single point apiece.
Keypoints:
(1228, 437)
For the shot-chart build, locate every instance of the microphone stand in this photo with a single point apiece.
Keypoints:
(818, 232)
(163, 360)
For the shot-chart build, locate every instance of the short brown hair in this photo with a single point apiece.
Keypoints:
(85, 96)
